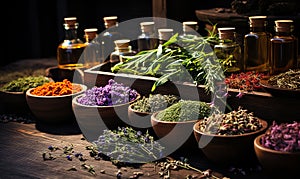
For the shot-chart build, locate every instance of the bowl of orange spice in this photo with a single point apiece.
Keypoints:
(52, 101)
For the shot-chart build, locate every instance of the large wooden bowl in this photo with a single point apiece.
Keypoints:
(228, 150)
(277, 163)
(52, 109)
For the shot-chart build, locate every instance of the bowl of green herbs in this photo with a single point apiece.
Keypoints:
(174, 125)
(12, 94)
(139, 112)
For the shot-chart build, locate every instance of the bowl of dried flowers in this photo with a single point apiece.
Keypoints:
(227, 138)
(52, 102)
(13, 93)
(103, 107)
(174, 124)
(139, 112)
(278, 149)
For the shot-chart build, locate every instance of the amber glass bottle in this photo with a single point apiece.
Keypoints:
(284, 47)
(190, 28)
(70, 50)
(257, 45)
(164, 34)
(228, 51)
(122, 48)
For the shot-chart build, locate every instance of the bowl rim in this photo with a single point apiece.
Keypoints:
(259, 146)
(83, 88)
(264, 127)
(12, 92)
(153, 118)
(74, 101)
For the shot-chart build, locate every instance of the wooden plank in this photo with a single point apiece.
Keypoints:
(159, 9)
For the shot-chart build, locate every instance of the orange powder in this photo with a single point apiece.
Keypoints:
(56, 88)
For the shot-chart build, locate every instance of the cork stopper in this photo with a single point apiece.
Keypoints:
(110, 21)
(190, 26)
(226, 33)
(284, 25)
(122, 43)
(90, 33)
(165, 34)
(147, 26)
(257, 21)
(70, 22)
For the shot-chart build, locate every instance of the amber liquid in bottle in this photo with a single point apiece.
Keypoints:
(69, 55)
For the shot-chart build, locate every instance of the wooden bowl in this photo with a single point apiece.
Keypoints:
(140, 120)
(176, 136)
(92, 120)
(277, 163)
(52, 109)
(13, 102)
(228, 150)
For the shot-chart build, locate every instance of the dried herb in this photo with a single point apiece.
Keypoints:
(185, 110)
(246, 81)
(154, 102)
(235, 122)
(22, 84)
(287, 80)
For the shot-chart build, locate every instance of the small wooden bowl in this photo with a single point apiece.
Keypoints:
(13, 102)
(52, 109)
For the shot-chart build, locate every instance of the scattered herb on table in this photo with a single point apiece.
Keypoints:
(58, 88)
(154, 102)
(235, 122)
(126, 145)
(181, 59)
(282, 137)
(287, 80)
(185, 110)
(22, 84)
(111, 94)
(246, 81)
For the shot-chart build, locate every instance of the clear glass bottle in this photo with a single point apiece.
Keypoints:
(148, 39)
(284, 47)
(228, 51)
(257, 45)
(92, 50)
(190, 28)
(164, 35)
(122, 48)
(70, 50)
(108, 37)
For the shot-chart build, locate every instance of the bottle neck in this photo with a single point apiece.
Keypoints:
(257, 29)
(71, 34)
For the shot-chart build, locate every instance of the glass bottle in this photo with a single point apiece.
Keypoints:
(122, 48)
(91, 52)
(190, 28)
(228, 51)
(284, 47)
(257, 45)
(70, 50)
(108, 37)
(148, 39)
(164, 35)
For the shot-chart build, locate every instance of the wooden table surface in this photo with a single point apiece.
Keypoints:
(22, 147)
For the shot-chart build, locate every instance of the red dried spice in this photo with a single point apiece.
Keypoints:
(247, 81)
(56, 88)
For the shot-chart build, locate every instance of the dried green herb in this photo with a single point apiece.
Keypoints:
(287, 80)
(185, 110)
(154, 102)
(24, 83)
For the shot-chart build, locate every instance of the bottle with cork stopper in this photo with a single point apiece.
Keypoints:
(228, 51)
(70, 50)
(257, 45)
(148, 39)
(164, 34)
(122, 48)
(108, 37)
(284, 47)
(92, 50)
(190, 28)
